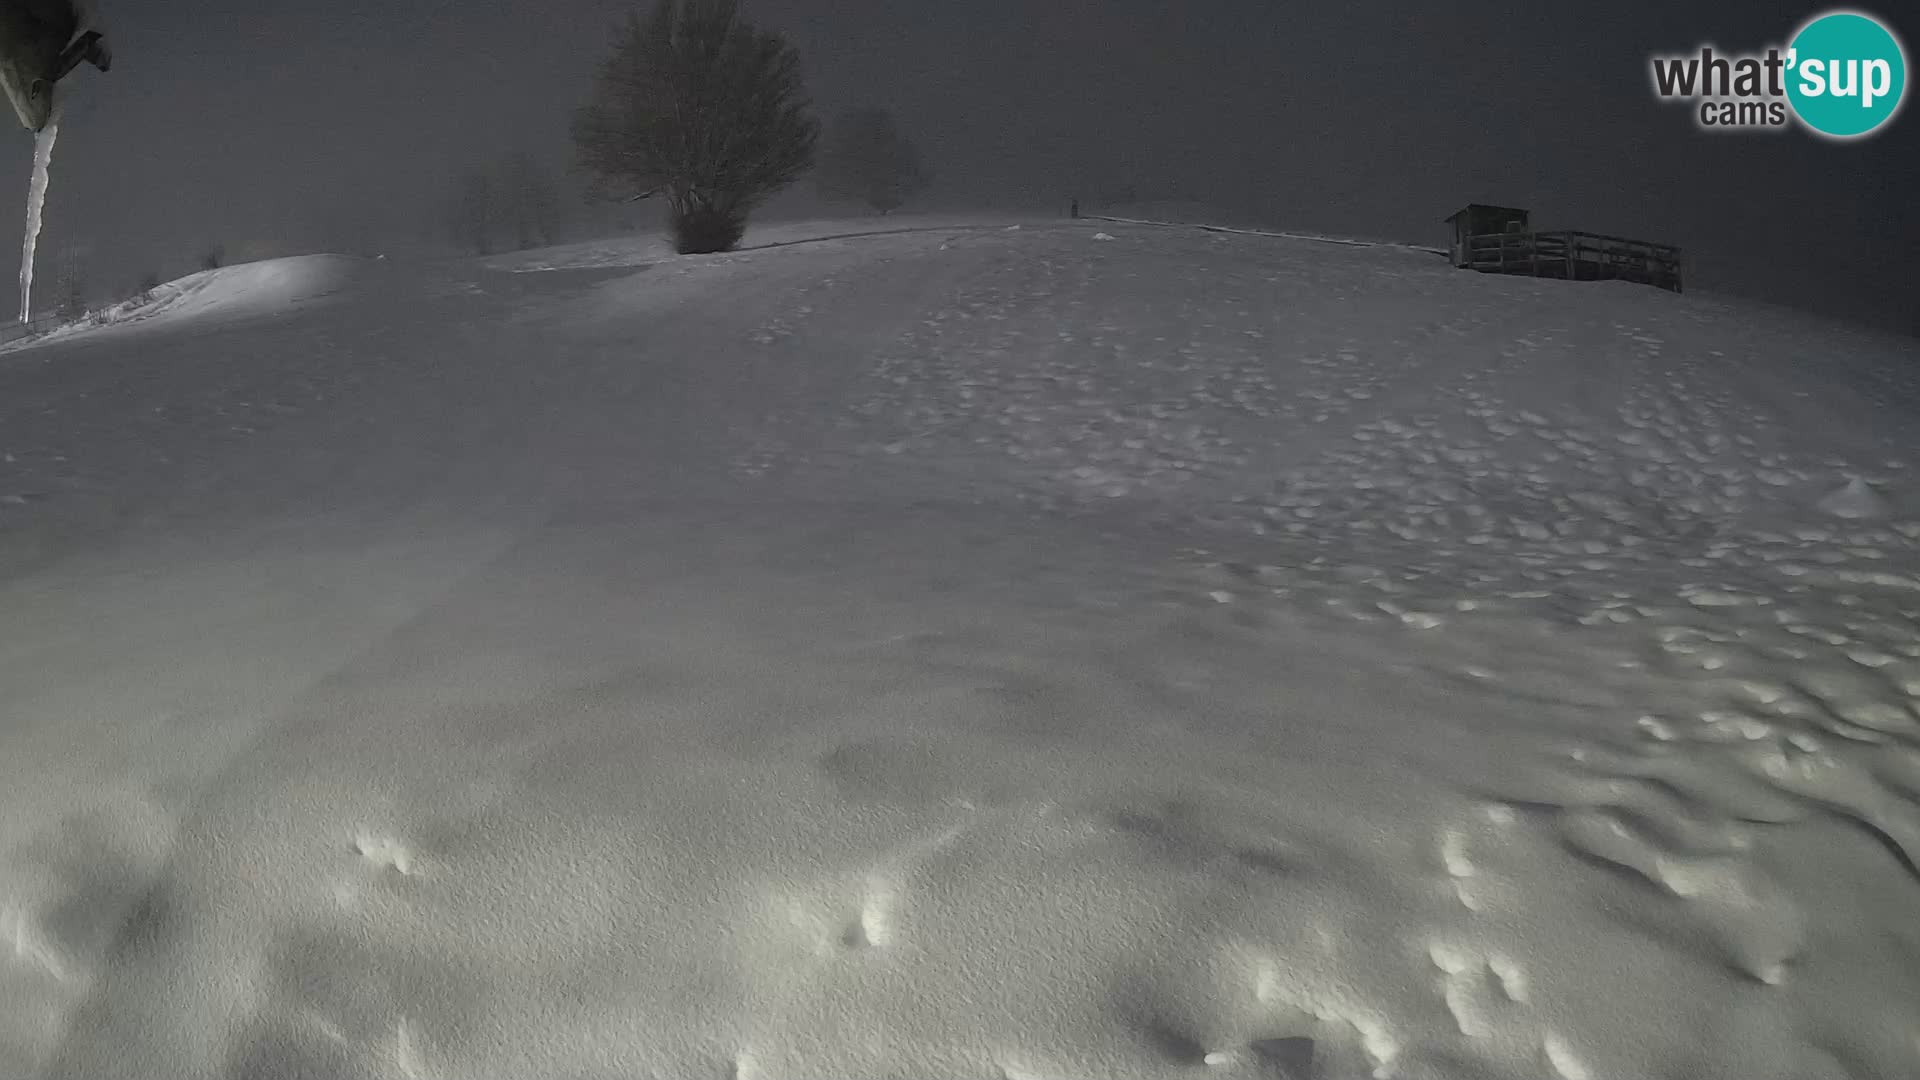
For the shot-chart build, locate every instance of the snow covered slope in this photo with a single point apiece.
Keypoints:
(256, 287)
(246, 290)
(965, 652)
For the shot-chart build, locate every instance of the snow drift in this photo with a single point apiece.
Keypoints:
(254, 288)
(242, 291)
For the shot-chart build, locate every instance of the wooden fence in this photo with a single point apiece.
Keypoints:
(1576, 256)
(13, 330)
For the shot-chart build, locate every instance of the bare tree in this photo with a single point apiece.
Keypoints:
(529, 201)
(71, 284)
(473, 212)
(867, 160)
(697, 103)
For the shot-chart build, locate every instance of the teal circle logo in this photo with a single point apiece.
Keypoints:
(1847, 74)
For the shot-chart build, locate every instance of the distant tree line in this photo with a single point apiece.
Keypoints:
(512, 203)
(866, 160)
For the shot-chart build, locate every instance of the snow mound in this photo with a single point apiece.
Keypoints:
(1857, 500)
(246, 290)
(253, 288)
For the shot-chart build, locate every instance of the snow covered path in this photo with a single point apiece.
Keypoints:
(974, 652)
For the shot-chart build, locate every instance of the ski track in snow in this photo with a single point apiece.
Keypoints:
(976, 652)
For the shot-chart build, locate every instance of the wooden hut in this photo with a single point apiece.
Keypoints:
(1476, 219)
(1501, 240)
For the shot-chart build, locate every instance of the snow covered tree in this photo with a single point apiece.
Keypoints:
(699, 105)
(867, 160)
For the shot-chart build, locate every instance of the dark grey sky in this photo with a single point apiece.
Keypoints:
(273, 125)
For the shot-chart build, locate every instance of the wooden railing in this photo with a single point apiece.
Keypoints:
(14, 330)
(1577, 256)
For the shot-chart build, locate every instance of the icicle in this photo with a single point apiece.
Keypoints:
(36, 206)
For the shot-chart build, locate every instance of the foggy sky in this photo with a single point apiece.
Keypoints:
(274, 126)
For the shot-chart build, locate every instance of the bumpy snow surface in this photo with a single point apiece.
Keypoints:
(978, 652)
